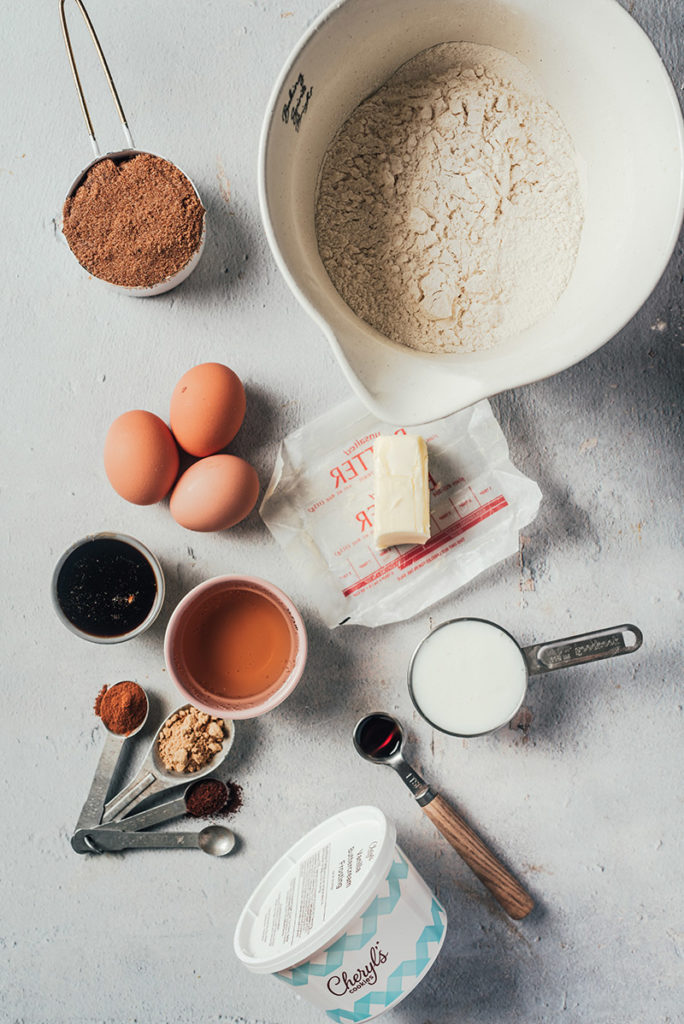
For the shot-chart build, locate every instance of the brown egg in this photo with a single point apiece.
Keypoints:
(140, 457)
(215, 493)
(207, 408)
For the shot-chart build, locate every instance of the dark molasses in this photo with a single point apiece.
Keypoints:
(106, 587)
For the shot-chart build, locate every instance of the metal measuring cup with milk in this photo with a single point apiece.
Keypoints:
(469, 676)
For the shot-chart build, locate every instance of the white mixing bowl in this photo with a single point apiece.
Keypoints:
(606, 80)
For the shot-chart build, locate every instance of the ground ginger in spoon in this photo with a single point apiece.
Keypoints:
(189, 740)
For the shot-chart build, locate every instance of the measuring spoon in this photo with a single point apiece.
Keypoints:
(378, 738)
(91, 812)
(216, 840)
(468, 677)
(175, 808)
(153, 777)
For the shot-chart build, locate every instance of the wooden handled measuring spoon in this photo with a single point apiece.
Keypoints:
(378, 738)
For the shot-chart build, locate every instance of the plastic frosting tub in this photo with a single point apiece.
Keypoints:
(344, 918)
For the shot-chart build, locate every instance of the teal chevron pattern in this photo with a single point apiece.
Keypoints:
(334, 956)
(363, 1008)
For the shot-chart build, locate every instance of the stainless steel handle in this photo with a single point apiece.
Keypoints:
(411, 779)
(91, 812)
(155, 816)
(129, 796)
(77, 80)
(585, 647)
(103, 840)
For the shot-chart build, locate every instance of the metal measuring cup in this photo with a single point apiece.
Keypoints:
(155, 608)
(536, 659)
(153, 777)
(123, 154)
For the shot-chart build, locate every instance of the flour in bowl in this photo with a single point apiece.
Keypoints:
(448, 211)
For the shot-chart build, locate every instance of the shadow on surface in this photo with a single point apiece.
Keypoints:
(486, 957)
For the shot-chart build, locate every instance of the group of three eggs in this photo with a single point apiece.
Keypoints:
(141, 455)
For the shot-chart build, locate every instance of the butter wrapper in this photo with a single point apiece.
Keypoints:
(319, 506)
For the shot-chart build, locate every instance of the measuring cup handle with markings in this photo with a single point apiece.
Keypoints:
(577, 650)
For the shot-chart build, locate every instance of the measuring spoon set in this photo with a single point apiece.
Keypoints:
(462, 666)
(106, 826)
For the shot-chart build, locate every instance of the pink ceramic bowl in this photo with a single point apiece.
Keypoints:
(235, 646)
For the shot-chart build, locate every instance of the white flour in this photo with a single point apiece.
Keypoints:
(448, 212)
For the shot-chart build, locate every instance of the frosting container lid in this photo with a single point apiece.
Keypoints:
(311, 894)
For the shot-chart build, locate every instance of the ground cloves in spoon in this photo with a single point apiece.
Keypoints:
(211, 797)
(121, 707)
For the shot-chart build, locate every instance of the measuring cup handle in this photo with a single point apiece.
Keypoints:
(77, 80)
(503, 886)
(576, 650)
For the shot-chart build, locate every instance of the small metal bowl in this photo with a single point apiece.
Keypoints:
(156, 605)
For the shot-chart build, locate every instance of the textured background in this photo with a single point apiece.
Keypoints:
(586, 807)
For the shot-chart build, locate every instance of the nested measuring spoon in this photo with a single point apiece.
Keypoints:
(153, 777)
(378, 738)
(91, 812)
(162, 812)
(469, 677)
(120, 155)
(216, 840)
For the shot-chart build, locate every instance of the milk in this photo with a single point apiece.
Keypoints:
(468, 677)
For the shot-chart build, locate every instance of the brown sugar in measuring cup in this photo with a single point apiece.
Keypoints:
(132, 219)
(133, 222)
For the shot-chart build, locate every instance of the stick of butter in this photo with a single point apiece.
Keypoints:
(402, 496)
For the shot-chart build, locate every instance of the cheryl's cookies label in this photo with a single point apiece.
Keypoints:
(344, 983)
(382, 953)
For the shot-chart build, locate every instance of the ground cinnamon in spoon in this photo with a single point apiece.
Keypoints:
(121, 707)
(135, 222)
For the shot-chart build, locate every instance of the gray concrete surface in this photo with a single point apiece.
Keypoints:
(586, 807)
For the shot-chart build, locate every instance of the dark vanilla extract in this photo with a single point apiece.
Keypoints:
(379, 736)
(106, 587)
